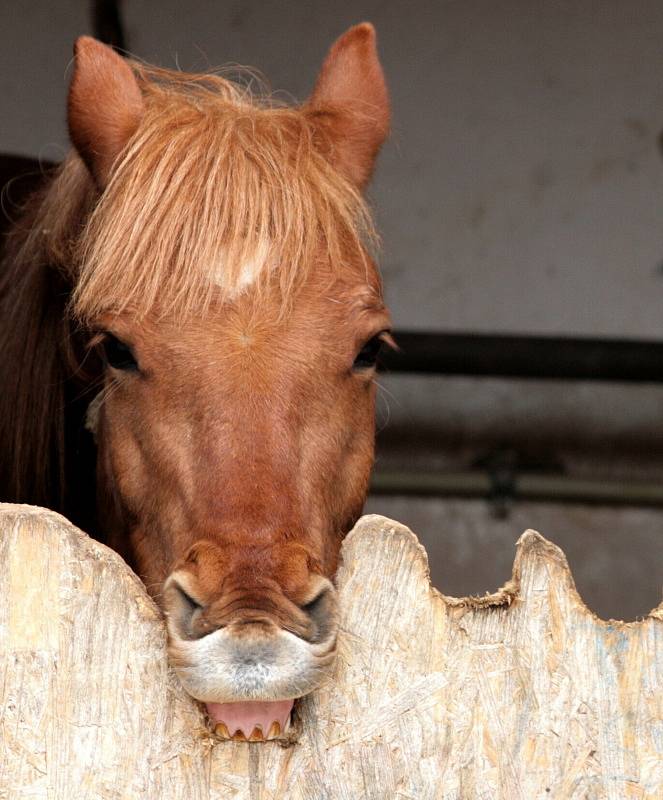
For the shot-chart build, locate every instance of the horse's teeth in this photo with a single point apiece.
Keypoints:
(221, 729)
(256, 734)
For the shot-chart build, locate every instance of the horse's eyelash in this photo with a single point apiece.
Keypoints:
(96, 339)
(388, 339)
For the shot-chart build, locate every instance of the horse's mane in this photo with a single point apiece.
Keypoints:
(214, 184)
(35, 347)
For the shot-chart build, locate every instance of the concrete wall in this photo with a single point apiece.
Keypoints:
(523, 186)
(521, 191)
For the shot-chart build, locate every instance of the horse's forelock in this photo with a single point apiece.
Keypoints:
(213, 181)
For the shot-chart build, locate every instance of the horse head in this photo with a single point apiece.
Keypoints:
(225, 279)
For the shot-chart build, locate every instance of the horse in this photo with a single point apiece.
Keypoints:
(190, 320)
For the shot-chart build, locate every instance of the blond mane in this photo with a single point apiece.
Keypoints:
(216, 187)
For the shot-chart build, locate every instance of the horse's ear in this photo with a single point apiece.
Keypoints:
(105, 105)
(350, 103)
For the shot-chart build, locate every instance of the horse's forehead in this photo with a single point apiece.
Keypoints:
(348, 284)
(253, 340)
(319, 308)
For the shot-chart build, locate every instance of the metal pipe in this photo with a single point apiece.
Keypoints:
(540, 357)
(525, 486)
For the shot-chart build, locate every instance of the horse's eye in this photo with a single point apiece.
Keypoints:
(118, 354)
(369, 353)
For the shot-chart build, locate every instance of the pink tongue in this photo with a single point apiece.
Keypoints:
(246, 716)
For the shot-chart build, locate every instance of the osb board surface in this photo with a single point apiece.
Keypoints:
(523, 694)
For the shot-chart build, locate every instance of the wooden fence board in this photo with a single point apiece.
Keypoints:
(520, 694)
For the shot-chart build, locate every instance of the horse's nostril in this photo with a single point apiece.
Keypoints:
(185, 612)
(188, 601)
(321, 610)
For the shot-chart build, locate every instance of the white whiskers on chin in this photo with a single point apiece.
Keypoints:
(223, 668)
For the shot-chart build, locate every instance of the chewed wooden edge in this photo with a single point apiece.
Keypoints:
(531, 547)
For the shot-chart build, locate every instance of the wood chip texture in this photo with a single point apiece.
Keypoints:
(522, 694)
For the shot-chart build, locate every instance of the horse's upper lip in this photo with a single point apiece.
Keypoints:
(221, 668)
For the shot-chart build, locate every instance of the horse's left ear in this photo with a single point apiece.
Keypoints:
(105, 106)
(350, 103)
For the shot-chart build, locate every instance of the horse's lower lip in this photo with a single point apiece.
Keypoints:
(250, 720)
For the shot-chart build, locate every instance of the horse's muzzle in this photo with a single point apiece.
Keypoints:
(244, 669)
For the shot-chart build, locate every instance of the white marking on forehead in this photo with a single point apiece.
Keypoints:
(248, 275)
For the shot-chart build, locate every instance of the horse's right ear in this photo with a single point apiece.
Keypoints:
(104, 108)
(350, 104)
